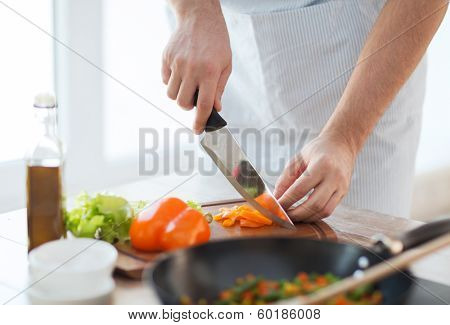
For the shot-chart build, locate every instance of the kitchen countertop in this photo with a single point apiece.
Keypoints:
(348, 224)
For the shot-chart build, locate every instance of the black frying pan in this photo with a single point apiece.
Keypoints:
(204, 271)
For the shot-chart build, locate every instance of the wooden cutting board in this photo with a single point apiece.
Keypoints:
(131, 262)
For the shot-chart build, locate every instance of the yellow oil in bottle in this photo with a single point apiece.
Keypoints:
(44, 205)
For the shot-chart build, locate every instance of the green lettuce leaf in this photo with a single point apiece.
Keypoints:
(103, 216)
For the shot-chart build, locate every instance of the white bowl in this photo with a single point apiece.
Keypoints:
(71, 269)
(102, 297)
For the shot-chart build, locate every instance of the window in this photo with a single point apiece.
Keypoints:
(26, 67)
(134, 37)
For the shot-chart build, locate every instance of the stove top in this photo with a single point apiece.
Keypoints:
(425, 292)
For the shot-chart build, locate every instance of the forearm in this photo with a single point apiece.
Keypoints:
(393, 49)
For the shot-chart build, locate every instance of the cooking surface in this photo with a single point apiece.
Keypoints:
(346, 224)
(425, 292)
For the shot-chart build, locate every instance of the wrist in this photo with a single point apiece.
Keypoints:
(343, 138)
(189, 8)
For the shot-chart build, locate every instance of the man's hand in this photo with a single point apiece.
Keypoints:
(198, 56)
(325, 165)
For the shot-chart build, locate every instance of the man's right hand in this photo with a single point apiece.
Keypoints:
(198, 56)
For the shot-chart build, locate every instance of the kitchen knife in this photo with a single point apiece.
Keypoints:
(226, 153)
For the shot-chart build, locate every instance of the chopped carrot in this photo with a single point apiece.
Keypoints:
(225, 294)
(245, 214)
(268, 202)
(250, 224)
(263, 288)
(321, 281)
(341, 300)
(247, 295)
(308, 286)
(228, 223)
(251, 214)
(303, 277)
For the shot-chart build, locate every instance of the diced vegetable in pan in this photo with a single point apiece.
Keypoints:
(254, 290)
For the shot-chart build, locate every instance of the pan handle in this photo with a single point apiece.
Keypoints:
(424, 233)
(413, 238)
(215, 121)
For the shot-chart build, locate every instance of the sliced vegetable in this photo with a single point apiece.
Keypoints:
(248, 213)
(245, 215)
(269, 203)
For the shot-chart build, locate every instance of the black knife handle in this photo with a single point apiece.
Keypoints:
(215, 121)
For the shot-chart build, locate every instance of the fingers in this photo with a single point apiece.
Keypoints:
(205, 104)
(331, 205)
(174, 85)
(165, 72)
(185, 98)
(316, 204)
(221, 88)
(328, 176)
(292, 171)
(327, 210)
(307, 181)
(210, 92)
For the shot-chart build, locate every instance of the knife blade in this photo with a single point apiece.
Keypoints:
(226, 153)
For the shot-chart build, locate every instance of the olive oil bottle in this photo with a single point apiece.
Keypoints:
(44, 162)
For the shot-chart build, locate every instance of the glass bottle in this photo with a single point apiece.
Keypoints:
(44, 162)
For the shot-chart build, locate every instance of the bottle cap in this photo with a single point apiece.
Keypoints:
(45, 100)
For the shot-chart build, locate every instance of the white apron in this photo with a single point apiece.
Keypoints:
(291, 62)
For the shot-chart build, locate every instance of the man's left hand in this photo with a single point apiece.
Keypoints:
(325, 165)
